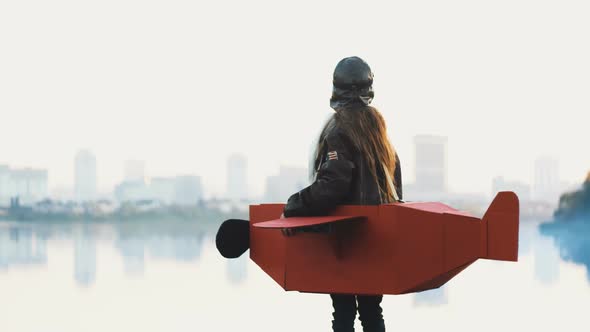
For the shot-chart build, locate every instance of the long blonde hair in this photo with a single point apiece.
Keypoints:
(365, 128)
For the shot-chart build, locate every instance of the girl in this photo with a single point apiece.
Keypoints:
(354, 164)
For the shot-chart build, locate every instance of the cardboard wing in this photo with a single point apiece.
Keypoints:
(299, 222)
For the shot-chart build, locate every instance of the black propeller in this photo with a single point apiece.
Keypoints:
(233, 238)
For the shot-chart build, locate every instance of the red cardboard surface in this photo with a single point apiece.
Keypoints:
(398, 248)
(501, 219)
(267, 248)
(336, 262)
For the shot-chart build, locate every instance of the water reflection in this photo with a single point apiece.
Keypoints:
(527, 233)
(237, 269)
(182, 242)
(21, 246)
(182, 248)
(546, 265)
(546, 260)
(84, 256)
(134, 248)
(571, 239)
(26, 244)
(170, 272)
(133, 252)
(433, 297)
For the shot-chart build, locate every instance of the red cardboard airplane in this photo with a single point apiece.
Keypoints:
(381, 249)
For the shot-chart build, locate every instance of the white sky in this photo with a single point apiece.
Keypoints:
(183, 84)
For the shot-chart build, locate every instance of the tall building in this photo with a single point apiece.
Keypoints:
(189, 190)
(237, 177)
(547, 184)
(273, 192)
(134, 186)
(132, 191)
(522, 190)
(28, 184)
(134, 171)
(431, 164)
(182, 190)
(85, 175)
(4, 184)
(163, 189)
(287, 182)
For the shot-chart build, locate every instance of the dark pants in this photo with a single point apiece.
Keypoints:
(369, 308)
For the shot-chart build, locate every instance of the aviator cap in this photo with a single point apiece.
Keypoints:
(352, 83)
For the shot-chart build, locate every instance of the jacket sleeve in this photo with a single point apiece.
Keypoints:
(332, 183)
(397, 177)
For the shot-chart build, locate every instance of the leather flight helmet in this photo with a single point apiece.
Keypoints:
(352, 83)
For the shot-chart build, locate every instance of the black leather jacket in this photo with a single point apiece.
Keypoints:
(343, 178)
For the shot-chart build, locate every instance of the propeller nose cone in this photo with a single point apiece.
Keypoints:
(233, 238)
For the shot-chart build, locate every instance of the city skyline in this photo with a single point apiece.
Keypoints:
(430, 184)
(257, 188)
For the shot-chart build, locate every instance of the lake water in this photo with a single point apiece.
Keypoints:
(168, 276)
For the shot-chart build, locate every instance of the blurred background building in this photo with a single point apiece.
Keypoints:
(28, 184)
(431, 184)
(289, 181)
(180, 190)
(4, 184)
(188, 189)
(237, 177)
(133, 187)
(547, 185)
(522, 190)
(85, 176)
(430, 169)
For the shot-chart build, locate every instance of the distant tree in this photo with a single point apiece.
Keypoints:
(575, 203)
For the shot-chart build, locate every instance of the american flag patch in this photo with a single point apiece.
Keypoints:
(332, 155)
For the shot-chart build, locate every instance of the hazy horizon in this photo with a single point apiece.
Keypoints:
(182, 85)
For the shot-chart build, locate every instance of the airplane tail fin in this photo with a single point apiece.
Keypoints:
(501, 227)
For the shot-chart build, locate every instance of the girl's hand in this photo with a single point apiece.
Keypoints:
(288, 231)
